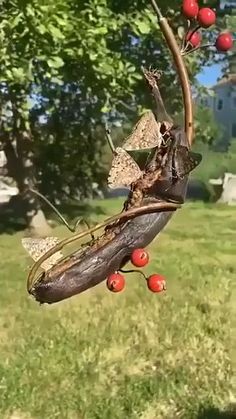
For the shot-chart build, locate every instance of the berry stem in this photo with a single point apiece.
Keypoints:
(183, 43)
(128, 271)
(181, 70)
(186, 43)
(195, 49)
(185, 49)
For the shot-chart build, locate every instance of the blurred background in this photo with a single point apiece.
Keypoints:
(66, 69)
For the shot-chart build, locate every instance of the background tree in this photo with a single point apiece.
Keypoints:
(65, 67)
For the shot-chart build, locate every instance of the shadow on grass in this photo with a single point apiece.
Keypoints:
(12, 214)
(213, 413)
(11, 220)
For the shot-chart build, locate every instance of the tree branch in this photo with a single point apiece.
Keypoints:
(181, 70)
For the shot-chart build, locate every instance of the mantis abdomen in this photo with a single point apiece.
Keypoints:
(97, 264)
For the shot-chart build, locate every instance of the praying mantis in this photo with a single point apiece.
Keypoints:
(156, 191)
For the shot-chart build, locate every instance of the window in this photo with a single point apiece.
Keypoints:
(220, 104)
(233, 132)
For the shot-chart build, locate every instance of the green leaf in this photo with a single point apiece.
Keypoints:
(143, 27)
(56, 32)
(105, 109)
(55, 62)
(18, 74)
(9, 74)
(56, 80)
(42, 29)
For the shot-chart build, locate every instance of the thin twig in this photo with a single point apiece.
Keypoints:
(157, 10)
(181, 70)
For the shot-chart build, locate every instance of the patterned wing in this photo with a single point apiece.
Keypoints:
(37, 247)
(146, 134)
(185, 161)
(124, 170)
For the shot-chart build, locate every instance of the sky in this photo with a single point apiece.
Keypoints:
(209, 75)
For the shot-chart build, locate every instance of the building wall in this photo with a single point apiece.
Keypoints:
(224, 109)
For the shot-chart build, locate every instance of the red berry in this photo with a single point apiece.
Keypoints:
(156, 283)
(139, 257)
(116, 282)
(224, 41)
(206, 17)
(190, 8)
(194, 38)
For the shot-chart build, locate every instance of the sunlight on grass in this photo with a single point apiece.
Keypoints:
(132, 355)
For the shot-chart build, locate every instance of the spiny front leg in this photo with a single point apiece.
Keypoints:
(152, 76)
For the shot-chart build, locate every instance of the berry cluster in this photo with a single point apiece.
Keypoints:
(202, 18)
(139, 258)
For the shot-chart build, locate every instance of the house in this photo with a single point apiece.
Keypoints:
(223, 104)
(222, 100)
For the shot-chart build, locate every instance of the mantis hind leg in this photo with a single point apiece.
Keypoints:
(74, 228)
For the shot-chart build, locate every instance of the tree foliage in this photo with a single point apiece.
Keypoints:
(65, 68)
(207, 131)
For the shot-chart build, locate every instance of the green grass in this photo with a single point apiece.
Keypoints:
(133, 354)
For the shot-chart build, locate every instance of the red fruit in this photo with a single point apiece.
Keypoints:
(139, 257)
(224, 41)
(190, 8)
(116, 282)
(156, 283)
(206, 17)
(194, 38)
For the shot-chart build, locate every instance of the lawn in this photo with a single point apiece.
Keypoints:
(129, 355)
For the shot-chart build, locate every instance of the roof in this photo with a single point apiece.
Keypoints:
(227, 79)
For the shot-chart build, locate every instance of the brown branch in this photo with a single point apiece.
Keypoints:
(181, 70)
(125, 216)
